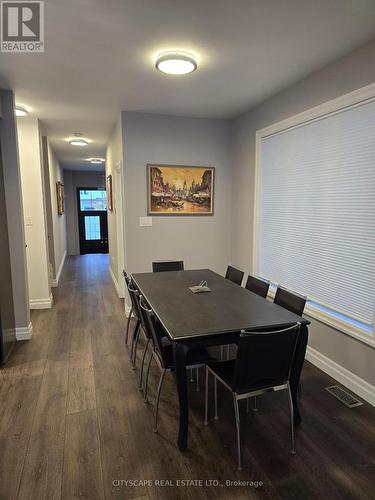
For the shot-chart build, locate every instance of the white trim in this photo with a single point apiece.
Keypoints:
(41, 303)
(119, 211)
(351, 99)
(55, 281)
(114, 279)
(24, 333)
(347, 378)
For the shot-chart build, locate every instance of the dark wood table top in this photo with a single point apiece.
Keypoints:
(227, 308)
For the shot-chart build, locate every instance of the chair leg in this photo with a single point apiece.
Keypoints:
(191, 375)
(135, 334)
(147, 374)
(197, 376)
(238, 423)
(293, 450)
(155, 429)
(127, 326)
(299, 391)
(222, 353)
(206, 400)
(215, 398)
(247, 405)
(134, 360)
(140, 387)
(228, 351)
(255, 408)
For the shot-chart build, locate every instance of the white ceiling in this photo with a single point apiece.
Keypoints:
(98, 59)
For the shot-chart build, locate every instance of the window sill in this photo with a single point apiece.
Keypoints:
(352, 328)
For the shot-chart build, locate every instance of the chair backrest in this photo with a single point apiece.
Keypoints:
(126, 277)
(167, 265)
(264, 358)
(292, 301)
(234, 274)
(257, 285)
(134, 294)
(153, 331)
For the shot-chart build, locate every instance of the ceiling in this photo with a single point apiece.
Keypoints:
(98, 59)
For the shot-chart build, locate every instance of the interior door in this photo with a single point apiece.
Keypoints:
(92, 220)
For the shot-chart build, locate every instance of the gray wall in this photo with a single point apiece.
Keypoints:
(14, 209)
(72, 180)
(349, 73)
(201, 241)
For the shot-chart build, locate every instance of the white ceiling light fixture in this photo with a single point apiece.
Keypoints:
(96, 161)
(78, 141)
(21, 110)
(176, 63)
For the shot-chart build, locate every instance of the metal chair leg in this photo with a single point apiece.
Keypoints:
(222, 353)
(134, 360)
(255, 408)
(206, 400)
(247, 405)
(191, 375)
(197, 375)
(135, 334)
(127, 326)
(237, 414)
(293, 450)
(215, 398)
(140, 387)
(147, 374)
(155, 429)
(228, 351)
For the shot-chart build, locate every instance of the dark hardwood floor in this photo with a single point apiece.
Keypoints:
(73, 423)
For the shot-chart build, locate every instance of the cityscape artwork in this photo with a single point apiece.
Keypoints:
(180, 190)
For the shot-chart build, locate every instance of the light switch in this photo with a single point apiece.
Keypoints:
(145, 221)
(29, 221)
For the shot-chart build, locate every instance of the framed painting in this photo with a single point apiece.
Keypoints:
(180, 190)
(60, 198)
(109, 193)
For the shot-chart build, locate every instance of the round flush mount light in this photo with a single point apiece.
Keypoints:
(96, 161)
(21, 110)
(176, 63)
(78, 141)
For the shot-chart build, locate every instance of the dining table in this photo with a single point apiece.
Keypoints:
(214, 318)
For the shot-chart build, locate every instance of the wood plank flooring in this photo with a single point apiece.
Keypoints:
(73, 423)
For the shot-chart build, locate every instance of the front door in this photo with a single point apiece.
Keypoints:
(92, 220)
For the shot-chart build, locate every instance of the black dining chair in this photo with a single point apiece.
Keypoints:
(134, 297)
(167, 265)
(162, 352)
(234, 274)
(127, 282)
(257, 285)
(263, 364)
(292, 301)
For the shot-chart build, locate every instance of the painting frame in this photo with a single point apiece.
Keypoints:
(60, 198)
(109, 193)
(179, 212)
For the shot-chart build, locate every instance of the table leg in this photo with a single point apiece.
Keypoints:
(180, 354)
(295, 375)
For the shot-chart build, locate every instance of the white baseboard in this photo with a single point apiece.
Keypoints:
(354, 383)
(24, 333)
(55, 281)
(114, 280)
(41, 303)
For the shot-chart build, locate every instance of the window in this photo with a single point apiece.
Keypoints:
(92, 227)
(92, 199)
(315, 213)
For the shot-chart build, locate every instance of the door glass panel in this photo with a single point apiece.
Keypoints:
(92, 227)
(92, 199)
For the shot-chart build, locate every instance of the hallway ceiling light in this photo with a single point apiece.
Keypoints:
(175, 63)
(21, 110)
(78, 141)
(96, 161)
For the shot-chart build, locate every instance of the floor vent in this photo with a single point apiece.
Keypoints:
(345, 397)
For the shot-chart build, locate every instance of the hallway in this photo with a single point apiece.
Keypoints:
(72, 421)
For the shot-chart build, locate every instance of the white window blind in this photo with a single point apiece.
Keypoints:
(316, 210)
